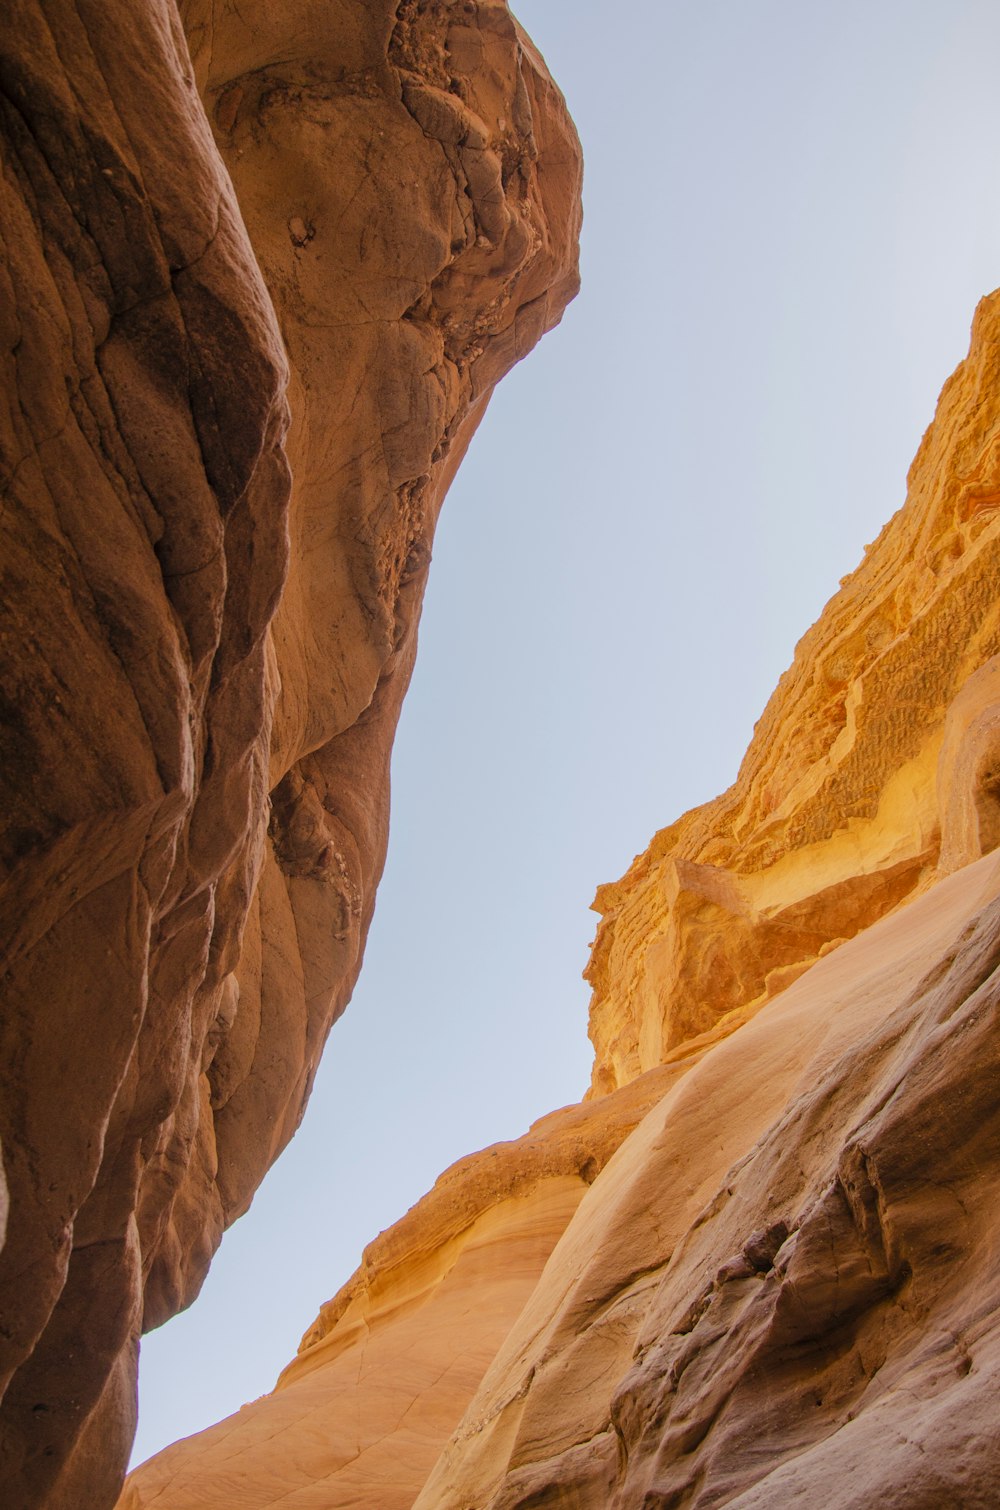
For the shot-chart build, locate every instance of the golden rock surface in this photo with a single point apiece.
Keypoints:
(392, 1361)
(782, 1289)
(261, 268)
(874, 769)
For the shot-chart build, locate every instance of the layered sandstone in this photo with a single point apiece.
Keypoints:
(781, 1288)
(385, 1373)
(258, 283)
(872, 770)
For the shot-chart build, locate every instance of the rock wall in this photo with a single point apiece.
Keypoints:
(392, 1361)
(781, 1287)
(871, 771)
(261, 270)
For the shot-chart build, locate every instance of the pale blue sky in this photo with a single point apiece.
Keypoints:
(791, 211)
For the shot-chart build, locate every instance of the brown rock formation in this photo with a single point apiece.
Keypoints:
(205, 648)
(781, 1289)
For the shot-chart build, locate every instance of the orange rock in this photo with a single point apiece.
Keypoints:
(781, 1289)
(840, 809)
(386, 1372)
(782, 1286)
(205, 649)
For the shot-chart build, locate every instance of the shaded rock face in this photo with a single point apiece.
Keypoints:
(781, 1287)
(261, 268)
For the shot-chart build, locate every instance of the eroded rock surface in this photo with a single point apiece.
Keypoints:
(872, 771)
(781, 1288)
(256, 293)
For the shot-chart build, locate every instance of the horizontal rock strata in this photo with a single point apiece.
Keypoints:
(871, 771)
(261, 268)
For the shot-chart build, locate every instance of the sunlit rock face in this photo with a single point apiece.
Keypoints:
(874, 769)
(781, 1288)
(391, 1363)
(261, 267)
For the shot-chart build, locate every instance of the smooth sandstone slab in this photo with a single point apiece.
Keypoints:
(383, 1377)
(797, 1233)
(365, 1423)
(782, 1288)
(788, 1267)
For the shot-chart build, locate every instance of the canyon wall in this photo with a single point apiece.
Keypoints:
(261, 269)
(780, 1287)
(872, 770)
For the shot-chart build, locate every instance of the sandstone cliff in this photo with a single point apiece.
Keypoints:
(780, 1289)
(871, 771)
(261, 267)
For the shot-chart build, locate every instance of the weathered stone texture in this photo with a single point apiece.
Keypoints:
(861, 784)
(261, 267)
(782, 1289)
(208, 617)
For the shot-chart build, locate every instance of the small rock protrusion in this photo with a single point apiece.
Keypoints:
(301, 231)
(760, 1249)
